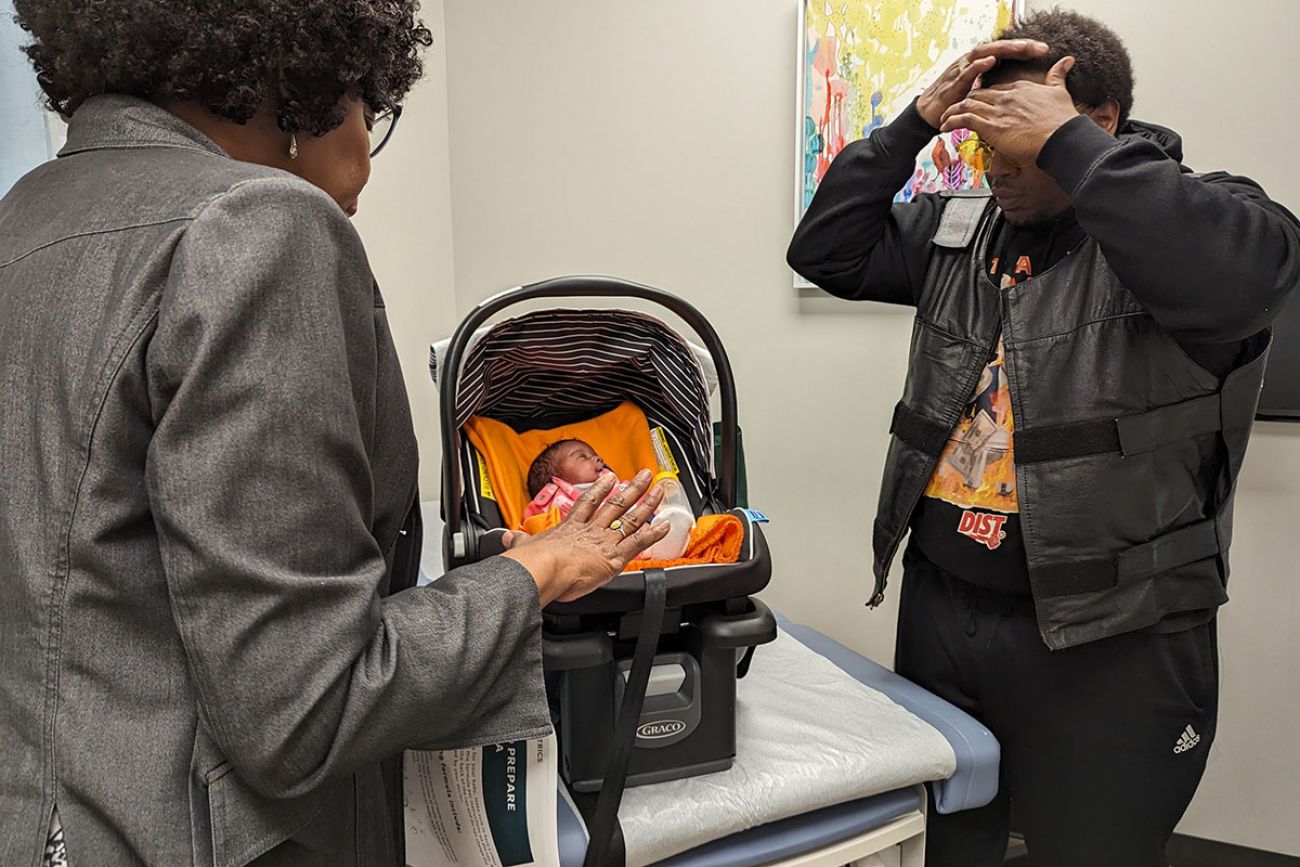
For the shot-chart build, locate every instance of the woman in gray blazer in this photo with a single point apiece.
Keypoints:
(211, 650)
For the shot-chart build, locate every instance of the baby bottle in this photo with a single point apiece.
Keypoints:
(675, 509)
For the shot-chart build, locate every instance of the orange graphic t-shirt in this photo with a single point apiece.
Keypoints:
(977, 469)
(969, 519)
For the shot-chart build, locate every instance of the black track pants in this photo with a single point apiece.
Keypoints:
(1103, 745)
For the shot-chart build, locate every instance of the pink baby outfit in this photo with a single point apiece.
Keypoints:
(559, 494)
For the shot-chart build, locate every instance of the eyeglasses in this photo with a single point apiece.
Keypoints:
(381, 128)
(979, 153)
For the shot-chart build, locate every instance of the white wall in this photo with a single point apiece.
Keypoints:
(24, 135)
(405, 220)
(654, 141)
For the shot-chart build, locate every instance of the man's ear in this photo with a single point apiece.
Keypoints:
(1106, 116)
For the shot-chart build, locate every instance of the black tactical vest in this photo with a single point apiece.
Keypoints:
(1127, 452)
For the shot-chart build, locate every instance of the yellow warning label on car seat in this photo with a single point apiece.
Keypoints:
(484, 481)
(664, 454)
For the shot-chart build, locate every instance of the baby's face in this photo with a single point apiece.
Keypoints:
(579, 464)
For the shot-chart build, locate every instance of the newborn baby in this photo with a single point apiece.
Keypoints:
(564, 470)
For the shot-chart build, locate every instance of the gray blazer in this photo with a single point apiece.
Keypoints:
(206, 455)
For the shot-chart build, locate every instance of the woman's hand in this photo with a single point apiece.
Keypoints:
(584, 552)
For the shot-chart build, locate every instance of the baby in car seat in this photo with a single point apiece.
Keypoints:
(564, 470)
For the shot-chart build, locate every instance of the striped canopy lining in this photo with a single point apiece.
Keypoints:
(549, 366)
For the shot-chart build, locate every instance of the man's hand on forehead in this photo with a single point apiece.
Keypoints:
(1018, 117)
(957, 80)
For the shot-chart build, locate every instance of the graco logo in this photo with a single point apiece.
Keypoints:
(664, 728)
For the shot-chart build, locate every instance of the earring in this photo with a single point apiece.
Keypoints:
(293, 146)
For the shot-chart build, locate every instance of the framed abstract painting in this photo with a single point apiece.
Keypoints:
(861, 62)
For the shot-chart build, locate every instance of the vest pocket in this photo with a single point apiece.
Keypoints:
(246, 825)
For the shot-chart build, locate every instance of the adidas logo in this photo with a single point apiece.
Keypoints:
(1188, 739)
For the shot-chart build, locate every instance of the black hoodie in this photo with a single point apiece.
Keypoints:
(1210, 257)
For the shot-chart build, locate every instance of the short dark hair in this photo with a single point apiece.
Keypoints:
(544, 467)
(230, 56)
(1102, 69)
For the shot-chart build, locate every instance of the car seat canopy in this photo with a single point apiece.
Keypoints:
(553, 367)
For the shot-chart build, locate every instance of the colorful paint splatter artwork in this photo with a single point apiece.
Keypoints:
(865, 60)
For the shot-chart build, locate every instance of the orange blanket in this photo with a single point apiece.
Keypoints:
(715, 539)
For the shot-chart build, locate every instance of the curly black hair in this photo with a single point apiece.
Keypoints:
(302, 57)
(1102, 69)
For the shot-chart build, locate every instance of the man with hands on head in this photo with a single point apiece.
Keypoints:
(1090, 338)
